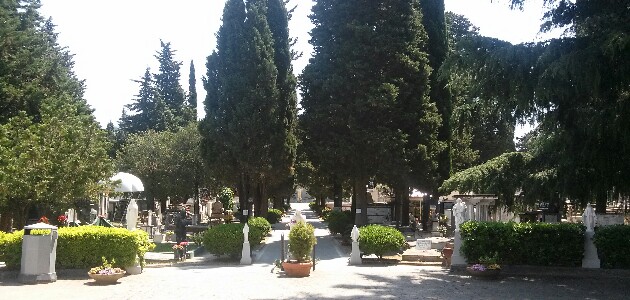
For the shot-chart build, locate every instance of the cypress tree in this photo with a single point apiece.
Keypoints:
(367, 114)
(192, 93)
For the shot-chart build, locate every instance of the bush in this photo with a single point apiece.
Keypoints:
(226, 197)
(524, 243)
(325, 213)
(224, 239)
(227, 239)
(84, 247)
(340, 222)
(613, 245)
(380, 240)
(301, 241)
(262, 224)
(274, 216)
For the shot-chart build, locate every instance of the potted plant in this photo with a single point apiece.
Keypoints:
(301, 242)
(106, 273)
(488, 266)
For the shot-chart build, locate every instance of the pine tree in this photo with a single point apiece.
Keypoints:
(168, 86)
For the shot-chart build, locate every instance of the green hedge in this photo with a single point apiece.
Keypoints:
(613, 246)
(380, 240)
(340, 222)
(274, 216)
(541, 244)
(262, 224)
(84, 247)
(227, 239)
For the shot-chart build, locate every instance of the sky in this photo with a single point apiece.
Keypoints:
(114, 41)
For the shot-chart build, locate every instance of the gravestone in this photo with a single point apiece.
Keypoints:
(423, 244)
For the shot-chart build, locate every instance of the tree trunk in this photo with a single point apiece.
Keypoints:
(360, 219)
(243, 197)
(262, 201)
(405, 207)
(338, 194)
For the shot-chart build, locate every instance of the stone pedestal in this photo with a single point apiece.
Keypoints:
(355, 256)
(457, 259)
(590, 259)
(246, 257)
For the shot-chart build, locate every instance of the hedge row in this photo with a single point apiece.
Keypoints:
(613, 246)
(541, 244)
(83, 247)
(227, 239)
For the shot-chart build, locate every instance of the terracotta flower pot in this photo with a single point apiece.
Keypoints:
(295, 269)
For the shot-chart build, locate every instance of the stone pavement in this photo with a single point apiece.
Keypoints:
(210, 278)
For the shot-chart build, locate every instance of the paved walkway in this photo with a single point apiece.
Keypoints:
(209, 278)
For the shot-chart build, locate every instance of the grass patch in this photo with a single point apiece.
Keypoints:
(168, 247)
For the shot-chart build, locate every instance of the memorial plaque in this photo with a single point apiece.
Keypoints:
(423, 244)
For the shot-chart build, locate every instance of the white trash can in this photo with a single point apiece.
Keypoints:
(39, 253)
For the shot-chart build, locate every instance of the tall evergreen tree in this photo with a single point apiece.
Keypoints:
(434, 22)
(365, 96)
(52, 151)
(168, 86)
(192, 92)
(576, 87)
(150, 112)
(286, 144)
(247, 132)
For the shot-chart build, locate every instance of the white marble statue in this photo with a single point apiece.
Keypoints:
(459, 210)
(132, 214)
(589, 217)
(298, 217)
(355, 234)
(246, 233)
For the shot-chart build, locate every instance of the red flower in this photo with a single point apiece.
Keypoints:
(184, 243)
(62, 219)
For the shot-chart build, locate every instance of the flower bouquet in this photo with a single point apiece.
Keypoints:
(106, 273)
(180, 250)
(488, 266)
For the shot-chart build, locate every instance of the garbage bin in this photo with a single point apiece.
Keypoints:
(39, 253)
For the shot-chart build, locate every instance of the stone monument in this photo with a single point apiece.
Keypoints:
(459, 210)
(590, 259)
(132, 214)
(246, 257)
(355, 256)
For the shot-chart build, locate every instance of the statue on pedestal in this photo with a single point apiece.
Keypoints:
(459, 210)
(589, 217)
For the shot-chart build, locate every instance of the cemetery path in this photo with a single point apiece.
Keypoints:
(328, 252)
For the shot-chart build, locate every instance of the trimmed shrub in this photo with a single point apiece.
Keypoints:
(262, 224)
(380, 240)
(227, 239)
(301, 241)
(84, 247)
(224, 239)
(524, 243)
(274, 216)
(325, 213)
(340, 222)
(613, 245)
